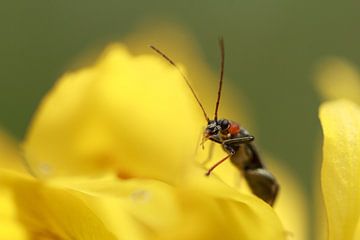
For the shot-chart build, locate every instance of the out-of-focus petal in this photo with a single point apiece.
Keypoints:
(10, 155)
(10, 227)
(337, 78)
(201, 208)
(341, 167)
(49, 212)
(292, 204)
(132, 114)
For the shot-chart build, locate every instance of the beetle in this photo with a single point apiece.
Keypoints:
(236, 141)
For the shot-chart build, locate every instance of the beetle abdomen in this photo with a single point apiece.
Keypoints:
(261, 182)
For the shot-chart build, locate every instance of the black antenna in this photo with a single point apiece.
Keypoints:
(222, 52)
(184, 77)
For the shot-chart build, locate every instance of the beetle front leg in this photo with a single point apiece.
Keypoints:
(217, 164)
(239, 140)
(230, 145)
(229, 148)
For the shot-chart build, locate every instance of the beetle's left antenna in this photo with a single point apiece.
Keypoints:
(184, 77)
(222, 52)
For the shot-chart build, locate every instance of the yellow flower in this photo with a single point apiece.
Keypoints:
(340, 120)
(113, 148)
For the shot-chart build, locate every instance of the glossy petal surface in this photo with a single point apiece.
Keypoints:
(340, 168)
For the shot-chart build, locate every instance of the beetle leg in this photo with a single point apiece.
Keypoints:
(217, 164)
(239, 140)
(227, 144)
(230, 150)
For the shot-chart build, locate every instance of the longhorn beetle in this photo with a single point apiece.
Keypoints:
(236, 142)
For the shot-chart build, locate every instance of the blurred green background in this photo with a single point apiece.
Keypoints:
(272, 49)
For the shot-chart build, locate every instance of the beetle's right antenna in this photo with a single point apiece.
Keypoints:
(184, 77)
(222, 52)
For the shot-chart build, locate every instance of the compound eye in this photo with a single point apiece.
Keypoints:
(224, 124)
(212, 128)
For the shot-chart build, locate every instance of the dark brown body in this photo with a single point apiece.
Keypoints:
(238, 143)
(261, 182)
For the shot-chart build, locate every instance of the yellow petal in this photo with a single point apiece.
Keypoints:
(291, 194)
(10, 227)
(10, 155)
(137, 209)
(130, 113)
(48, 212)
(202, 208)
(213, 186)
(341, 166)
(357, 231)
(338, 78)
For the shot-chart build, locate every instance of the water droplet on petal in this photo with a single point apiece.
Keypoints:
(140, 196)
(45, 169)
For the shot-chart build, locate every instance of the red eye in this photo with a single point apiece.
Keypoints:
(234, 128)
